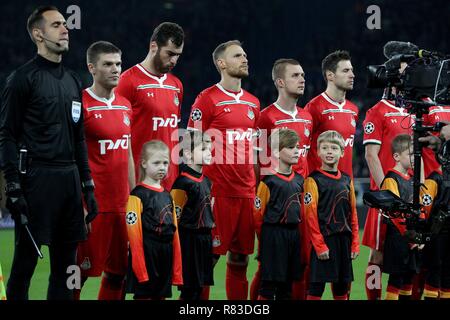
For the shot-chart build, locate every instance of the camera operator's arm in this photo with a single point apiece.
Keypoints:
(435, 142)
(354, 223)
(374, 163)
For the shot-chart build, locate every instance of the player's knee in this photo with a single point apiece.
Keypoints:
(376, 257)
(237, 259)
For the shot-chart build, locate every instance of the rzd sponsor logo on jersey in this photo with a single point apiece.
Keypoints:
(349, 141)
(235, 135)
(159, 122)
(304, 151)
(113, 145)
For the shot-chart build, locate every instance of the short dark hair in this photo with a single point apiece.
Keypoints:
(330, 62)
(279, 67)
(36, 18)
(100, 47)
(401, 143)
(168, 31)
(220, 49)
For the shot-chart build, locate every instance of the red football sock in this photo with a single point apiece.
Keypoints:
(205, 293)
(236, 282)
(298, 290)
(308, 297)
(110, 289)
(256, 284)
(373, 293)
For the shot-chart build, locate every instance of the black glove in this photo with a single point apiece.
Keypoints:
(89, 200)
(16, 203)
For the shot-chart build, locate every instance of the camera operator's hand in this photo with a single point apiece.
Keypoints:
(324, 255)
(445, 132)
(354, 255)
(89, 200)
(16, 203)
(432, 142)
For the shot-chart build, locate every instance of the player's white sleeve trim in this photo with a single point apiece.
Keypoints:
(371, 141)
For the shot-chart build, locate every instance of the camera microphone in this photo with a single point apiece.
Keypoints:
(393, 48)
(51, 41)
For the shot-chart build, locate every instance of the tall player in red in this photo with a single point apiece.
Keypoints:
(229, 115)
(383, 122)
(156, 95)
(107, 127)
(289, 79)
(332, 111)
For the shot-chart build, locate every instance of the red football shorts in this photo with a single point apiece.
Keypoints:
(106, 248)
(374, 230)
(234, 229)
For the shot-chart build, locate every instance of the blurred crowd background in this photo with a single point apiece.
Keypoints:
(304, 30)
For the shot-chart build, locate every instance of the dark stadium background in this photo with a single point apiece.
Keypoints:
(305, 30)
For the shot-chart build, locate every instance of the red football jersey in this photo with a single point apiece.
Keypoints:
(384, 121)
(156, 104)
(328, 114)
(230, 119)
(436, 114)
(107, 130)
(300, 121)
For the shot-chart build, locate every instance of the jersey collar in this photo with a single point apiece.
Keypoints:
(108, 102)
(160, 80)
(337, 104)
(335, 177)
(390, 104)
(228, 93)
(292, 114)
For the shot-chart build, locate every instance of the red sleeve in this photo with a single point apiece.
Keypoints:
(311, 200)
(201, 113)
(177, 268)
(354, 219)
(126, 88)
(135, 238)
(315, 115)
(373, 127)
(180, 96)
(261, 200)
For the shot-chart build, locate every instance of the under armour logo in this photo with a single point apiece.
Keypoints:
(227, 109)
(394, 120)
(437, 118)
(97, 116)
(330, 117)
(150, 94)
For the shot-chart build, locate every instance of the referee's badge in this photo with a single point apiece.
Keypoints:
(251, 114)
(76, 111)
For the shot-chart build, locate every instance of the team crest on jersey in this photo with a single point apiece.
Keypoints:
(250, 114)
(427, 200)
(76, 111)
(216, 241)
(196, 115)
(307, 198)
(131, 218)
(176, 100)
(369, 128)
(353, 122)
(257, 203)
(86, 264)
(126, 120)
(307, 132)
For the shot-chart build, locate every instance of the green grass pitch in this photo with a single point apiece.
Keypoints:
(38, 289)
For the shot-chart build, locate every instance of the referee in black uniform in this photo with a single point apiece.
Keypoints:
(44, 158)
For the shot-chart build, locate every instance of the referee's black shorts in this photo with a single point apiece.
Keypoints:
(53, 195)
